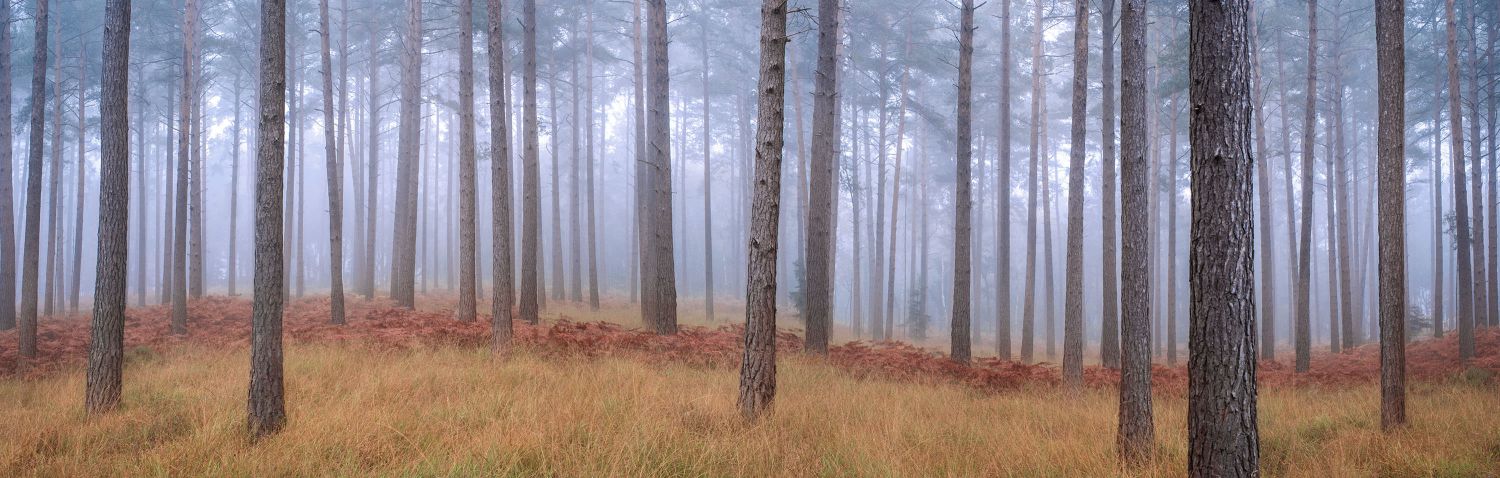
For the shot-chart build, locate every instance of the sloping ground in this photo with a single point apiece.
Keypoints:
(224, 322)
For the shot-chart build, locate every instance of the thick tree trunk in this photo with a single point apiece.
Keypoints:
(334, 161)
(664, 278)
(404, 224)
(825, 153)
(1136, 435)
(467, 300)
(1390, 17)
(267, 404)
(1222, 434)
(500, 180)
(1072, 363)
(530, 176)
(758, 367)
(107, 337)
(1303, 330)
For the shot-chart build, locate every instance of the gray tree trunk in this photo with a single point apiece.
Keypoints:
(821, 227)
(372, 166)
(1072, 363)
(467, 302)
(1303, 326)
(7, 200)
(593, 244)
(500, 180)
(107, 344)
(1460, 196)
(1223, 440)
(708, 209)
(1109, 336)
(964, 202)
(1390, 17)
(334, 160)
(1136, 439)
(663, 320)
(184, 151)
(267, 403)
(404, 225)
(26, 342)
(1028, 313)
(530, 176)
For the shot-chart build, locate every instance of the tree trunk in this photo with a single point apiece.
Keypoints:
(54, 195)
(372, 167)
(1109, 338)
(267, 404)
(758, 367)
(1267, 274)
(1460, 196)
(404, 224)
(593, 244)
(107, 337)
(1494, 194)
(531, 178)
(555, 246)
(7, 207)
(1073, 322)
(1172, 282)
(1438, 249)
(184, 150)
(1136, 438)
(708, 203)
(80, 190)
(500, 180)
(575, 200)
(1222, 432)
(234, 193)
(26, 342)
(467, 301)
(1028, 314)
(168, 200)
(963, 202)
(1390, 17)
(889, 329)
(821, 225)
(1304, 258)
(1481, 277)
(664, 318)
(334, 160)
(1268, 350)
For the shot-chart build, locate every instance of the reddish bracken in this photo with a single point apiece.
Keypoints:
(224, 322)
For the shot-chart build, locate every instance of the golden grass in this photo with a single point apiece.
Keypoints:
(355, 411)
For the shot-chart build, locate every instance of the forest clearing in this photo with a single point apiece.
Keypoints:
(401, 392)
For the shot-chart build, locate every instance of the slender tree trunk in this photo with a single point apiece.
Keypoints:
(1222, 434)
(81, 189)
(888, 332)
(267, 404)
(555, 246)
(641, 265)
(1268, 350)
(1028, 314)
(404, 224)
(1438, 249)
(1136, 436)
(54, 195)
(334, 160)
(1481, 277)
(1267, 274)
(1171, 306)
(1330, 237)
(593, 245)
(708, 203)
(1340, 185)
(821, 234)
(138, 251)
(1109, 338)
(1390, 18)
(467, 300)
(26, 342)
(185, 125)
(7, 196)
(1460, 196)
(664, 320)
(195, 175)
(531, 220)
(575, 244)
(964, 202)
(758, 367)
(1494, 194)
(372, 167)
(107, 337)
(1073, 322)
(1304, 259)
(500, 180)
(168, 200)
(234, 192)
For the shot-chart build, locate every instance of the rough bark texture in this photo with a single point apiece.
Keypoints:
(659, 127)
(1303, 330)
(503, 292)
(1136, 435)
(1222, 433)
(1391, 56)
(758, 367)
(267, 403)
(530, 174)
(107, 340)
(1002, 193)
(466, 165)
(334, 165)
(1072, 363)
(408, 149)
(964, 203)
(821, 190)
(1460, 196)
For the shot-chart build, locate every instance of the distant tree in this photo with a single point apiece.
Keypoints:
(466, 165)
(1222, 433)
(404, 225)
(1304, 259)
(964, 203)
(107, 338)
(663, 319)
(1073, 313)
(1028, 313)
(372, 165)
(530, 174)
(1390, 18)
(820, 217)
(7, 201)
(184, 149)
(758, 367)
(708, 210)
(1109, 334)
(267, 404)
(334, 160)
(1460, 196)
(1136, 434)
(26, 342)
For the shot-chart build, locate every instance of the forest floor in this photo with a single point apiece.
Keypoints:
(398, 392)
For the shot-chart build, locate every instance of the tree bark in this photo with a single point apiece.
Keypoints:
(1073, 321)
(964, 202)
(500, 180)
(404, 225)
(821, 234)
(334, 160)
(531, 177)
(467, 300)
(234, 194)
(267, 403)
(1222, 432)
(107, 336)
(1460, 196)
(184, 151)
(1136, 438)
(26, 341)
(758, 367)
(1391, 57)
(1028, 314)
(708, 209)
(889, 329)
(593, 244)
(54, 195)
(1304, 259)
(7, 200)
(1267, 274)
(664, 318)
(80, 190)
(372, 166)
